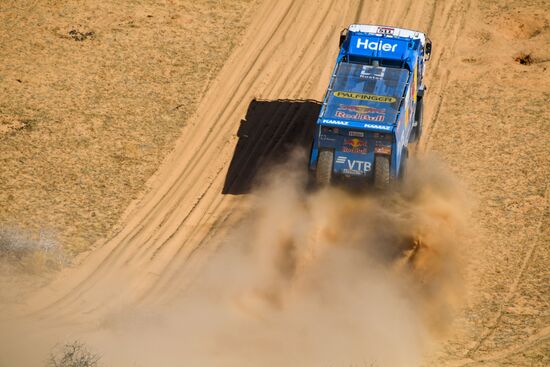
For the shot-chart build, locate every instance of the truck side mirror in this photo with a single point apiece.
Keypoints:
(428, 49)
(343, 36)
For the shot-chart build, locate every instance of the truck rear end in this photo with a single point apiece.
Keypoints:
(358, 120)
(353, 150)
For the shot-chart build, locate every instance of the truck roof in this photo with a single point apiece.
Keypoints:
(364, 96)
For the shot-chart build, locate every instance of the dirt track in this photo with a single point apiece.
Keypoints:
(284, 59)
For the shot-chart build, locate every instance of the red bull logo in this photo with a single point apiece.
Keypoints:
(361, 109)
(359, 116)
(355, 145)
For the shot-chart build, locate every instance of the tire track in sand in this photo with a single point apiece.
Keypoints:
(491, 327)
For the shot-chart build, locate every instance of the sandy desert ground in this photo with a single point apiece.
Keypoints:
(131, 135)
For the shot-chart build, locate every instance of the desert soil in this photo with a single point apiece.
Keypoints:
(93, 97)
(86, 123)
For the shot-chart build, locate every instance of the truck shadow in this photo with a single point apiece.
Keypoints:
(270, 130)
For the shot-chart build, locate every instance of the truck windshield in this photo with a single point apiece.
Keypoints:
(366, 93)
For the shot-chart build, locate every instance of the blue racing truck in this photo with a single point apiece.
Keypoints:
(373, 106)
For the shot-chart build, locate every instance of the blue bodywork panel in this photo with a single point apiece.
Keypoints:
(368, 109)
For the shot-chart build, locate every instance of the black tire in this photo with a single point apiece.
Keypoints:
(418, 117)
(403, 165)
(381, 172)
(323, 175)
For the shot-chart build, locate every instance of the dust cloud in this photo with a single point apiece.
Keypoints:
(312, 278)
(326, 278)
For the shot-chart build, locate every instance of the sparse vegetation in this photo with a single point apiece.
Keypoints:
(88, 104)
(74, 354)
(32, 253)
(523, 59)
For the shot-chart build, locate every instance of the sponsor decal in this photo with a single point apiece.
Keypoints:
(354, 167)
(376, 45)
(415, 84)
(364, 97)
(411, 98)
(379, 127)
(355, 145)
(359, 116)
(356, 133)
(361, 109)
(326, 137)
(348, 171)
(385, 30)
(372, 73)
(335, 122)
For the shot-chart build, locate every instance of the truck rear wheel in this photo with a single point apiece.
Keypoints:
(323, 175)
(381, 172)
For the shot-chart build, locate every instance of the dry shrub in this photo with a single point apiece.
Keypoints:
(74, 354)
(524, 59)
(30, 253)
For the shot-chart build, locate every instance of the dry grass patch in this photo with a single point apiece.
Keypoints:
(93, 97)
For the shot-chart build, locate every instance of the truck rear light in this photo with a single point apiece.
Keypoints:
(381, 149)
(382, 136)
(326, 129)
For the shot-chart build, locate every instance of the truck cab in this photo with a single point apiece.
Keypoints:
(372, 108)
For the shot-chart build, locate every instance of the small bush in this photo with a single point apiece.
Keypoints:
(524, 59)
(73, 354)
(31, 253)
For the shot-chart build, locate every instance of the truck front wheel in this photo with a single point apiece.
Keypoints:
(381, 172)
(323, 175)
